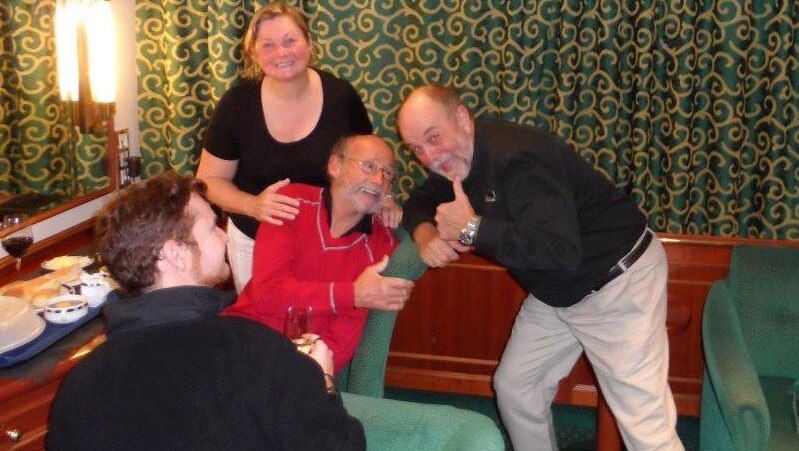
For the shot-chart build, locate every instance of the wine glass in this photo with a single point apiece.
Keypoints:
(16, 243)
(298, 323)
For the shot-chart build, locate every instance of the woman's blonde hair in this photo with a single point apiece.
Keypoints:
(269, 11)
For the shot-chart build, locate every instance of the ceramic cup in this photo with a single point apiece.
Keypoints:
(94, 288)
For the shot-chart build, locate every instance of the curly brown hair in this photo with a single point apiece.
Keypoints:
(133, 227)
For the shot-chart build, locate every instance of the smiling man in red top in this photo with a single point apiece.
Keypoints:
(330, 256)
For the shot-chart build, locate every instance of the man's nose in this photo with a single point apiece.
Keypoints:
(378, 177)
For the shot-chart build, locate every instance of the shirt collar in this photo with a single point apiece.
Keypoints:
(162, 306)
(363, 226)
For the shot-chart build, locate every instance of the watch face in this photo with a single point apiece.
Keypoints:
(469, 233)
(465, 237)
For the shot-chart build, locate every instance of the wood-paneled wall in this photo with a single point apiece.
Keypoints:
(451, 333)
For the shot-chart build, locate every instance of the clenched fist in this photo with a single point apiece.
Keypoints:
(374, 291)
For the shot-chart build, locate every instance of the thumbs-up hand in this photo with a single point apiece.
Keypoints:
(373, 291)
(451, 217)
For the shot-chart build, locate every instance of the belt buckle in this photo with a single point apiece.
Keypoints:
(621, 266)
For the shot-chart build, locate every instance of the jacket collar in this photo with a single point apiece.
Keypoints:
(163, 306)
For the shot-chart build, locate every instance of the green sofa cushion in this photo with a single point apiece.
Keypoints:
(779, 393)
(393, 425)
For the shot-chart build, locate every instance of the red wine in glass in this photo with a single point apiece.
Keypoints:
(16, 246)
(17, 242)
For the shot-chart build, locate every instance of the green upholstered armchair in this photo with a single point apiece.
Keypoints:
(393, 425)
(366, 373)
(750, 333)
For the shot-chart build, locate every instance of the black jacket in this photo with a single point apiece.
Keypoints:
(556, 223)
(174, 375)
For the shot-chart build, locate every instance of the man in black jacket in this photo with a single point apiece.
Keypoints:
(172, 373)
(596, 276)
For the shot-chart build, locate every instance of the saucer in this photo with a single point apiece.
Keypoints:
(66, 261)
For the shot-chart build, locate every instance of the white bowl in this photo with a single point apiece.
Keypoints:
(94, 288)
(66, 308)
(19, 323)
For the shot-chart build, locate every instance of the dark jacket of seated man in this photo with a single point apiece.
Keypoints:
(175, 375)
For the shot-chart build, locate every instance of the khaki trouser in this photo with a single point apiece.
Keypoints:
(239, 254)
(622, 329)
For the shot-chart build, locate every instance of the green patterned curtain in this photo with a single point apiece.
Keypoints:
(690, 106)
(35, 151)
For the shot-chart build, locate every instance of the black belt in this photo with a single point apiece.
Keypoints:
(626, 261)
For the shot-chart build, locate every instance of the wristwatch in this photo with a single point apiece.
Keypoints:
(469, 233)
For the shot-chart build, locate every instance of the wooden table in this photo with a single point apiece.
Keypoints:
(27, 390)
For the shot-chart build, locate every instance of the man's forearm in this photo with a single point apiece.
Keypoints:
(424, 232)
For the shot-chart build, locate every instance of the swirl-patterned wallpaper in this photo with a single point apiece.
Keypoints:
(690, 106)
(35, 150)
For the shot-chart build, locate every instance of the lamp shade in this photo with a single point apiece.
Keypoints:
(67, 18)
(101, 34)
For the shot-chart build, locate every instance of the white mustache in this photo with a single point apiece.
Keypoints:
(376, 192)
(437, 164)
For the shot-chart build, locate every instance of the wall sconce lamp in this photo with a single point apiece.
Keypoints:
(86, 60)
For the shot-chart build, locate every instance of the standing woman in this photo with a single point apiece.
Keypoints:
(276, 126)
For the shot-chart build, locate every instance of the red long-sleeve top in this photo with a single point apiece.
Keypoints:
(301, 264)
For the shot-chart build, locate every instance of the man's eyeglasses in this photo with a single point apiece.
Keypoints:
(370, 168)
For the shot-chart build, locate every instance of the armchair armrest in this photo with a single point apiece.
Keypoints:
(405, 262)
(367, 372)
(731, 374)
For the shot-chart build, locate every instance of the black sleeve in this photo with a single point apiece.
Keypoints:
(306, 416)
(421, 206)
(361, 124)
(542, 228)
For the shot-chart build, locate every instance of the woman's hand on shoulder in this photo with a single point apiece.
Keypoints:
(271, 207)
(390, 213)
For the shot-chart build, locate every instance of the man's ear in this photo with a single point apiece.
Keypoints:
(334, 165)
(463, 118)
(172, 256)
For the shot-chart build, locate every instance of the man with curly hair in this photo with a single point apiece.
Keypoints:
(173, 374)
